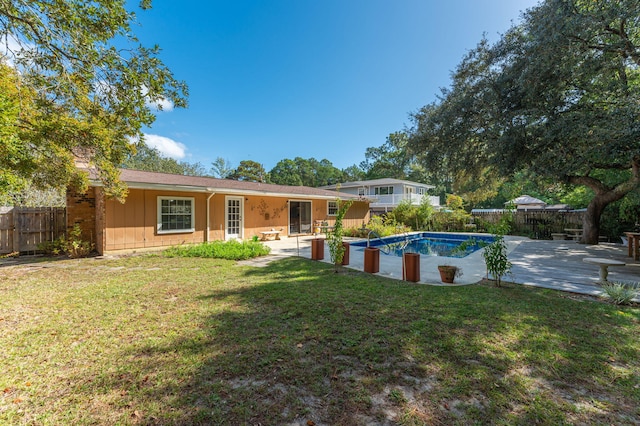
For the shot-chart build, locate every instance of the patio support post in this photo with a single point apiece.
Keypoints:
(206, 234)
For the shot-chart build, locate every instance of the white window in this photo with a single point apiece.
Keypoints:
(332, 208)
(383, 190)
(175, 214)
(421, 191)
(361, 192)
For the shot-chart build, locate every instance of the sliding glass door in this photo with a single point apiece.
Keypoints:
(299, 217)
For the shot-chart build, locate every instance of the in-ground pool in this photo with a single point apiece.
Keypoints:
(428, 244)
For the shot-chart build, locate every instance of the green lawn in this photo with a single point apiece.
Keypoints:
(154, 340)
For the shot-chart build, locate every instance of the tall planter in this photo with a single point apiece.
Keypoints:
(411, 267)
(345, 255)
(372, 260)
(317, 249)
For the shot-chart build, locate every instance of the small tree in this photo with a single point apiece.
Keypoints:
(454, 202)
(414, 216)
(495, 254)
(424, 213)
(404, 213)
(334, 238)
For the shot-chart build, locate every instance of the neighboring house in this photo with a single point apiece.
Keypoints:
(385, 194)
(527, 202)
(165, 209)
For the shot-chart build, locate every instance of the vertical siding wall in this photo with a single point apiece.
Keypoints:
(357, 215)
(132, 225)
(263, 214)
(100, 223)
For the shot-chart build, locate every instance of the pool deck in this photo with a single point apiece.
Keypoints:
(551, 264)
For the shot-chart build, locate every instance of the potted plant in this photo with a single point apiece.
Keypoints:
(449, 272)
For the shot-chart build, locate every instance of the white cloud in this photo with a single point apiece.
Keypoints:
(167, 147)
(163, 104)
(159, 104)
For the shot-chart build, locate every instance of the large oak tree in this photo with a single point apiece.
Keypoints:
(78, 83)
(558, 95)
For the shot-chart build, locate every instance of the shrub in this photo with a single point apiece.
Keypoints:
(73, 245)
(620, 293)
(53, 248)
(495, 257)
(356, 232)
(413, 216)
(385, 226)
(450, 221)
(230, 250)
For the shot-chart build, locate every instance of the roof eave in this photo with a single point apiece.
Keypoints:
(230, 191)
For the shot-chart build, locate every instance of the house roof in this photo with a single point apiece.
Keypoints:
(377, 182)
(138, 179)
(526, 199)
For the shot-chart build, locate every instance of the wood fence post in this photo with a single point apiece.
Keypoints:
(16, 229)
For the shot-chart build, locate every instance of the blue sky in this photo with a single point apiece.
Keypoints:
(279, 79)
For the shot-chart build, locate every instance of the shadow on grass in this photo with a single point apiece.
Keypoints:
(296, 342)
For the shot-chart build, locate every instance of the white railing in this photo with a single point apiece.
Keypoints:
(393, 200)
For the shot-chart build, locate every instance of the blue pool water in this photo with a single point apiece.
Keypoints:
(429, 244)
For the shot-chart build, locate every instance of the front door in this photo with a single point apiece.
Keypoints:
(233, 218)
(300, 217)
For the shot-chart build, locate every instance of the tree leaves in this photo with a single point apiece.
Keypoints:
(557, 95)
(83, 85)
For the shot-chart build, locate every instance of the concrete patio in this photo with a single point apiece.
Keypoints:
(551, 264)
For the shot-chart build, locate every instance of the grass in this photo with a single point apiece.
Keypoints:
(156, 340)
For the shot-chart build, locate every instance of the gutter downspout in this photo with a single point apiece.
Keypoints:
(206, 235)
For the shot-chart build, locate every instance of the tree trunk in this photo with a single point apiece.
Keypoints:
(604, 196)
(591, 221)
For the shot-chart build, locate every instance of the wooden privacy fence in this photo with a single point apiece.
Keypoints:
(23, 228)
(535, 224)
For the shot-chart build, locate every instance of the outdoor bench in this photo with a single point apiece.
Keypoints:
(274, 233)
(604, 265)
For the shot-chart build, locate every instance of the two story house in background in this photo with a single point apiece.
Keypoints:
(385, 194)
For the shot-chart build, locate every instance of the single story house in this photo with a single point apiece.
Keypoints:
(163, 209)
(385, 194)
(526, 202)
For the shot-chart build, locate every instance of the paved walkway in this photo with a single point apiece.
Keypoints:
(551, 264)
